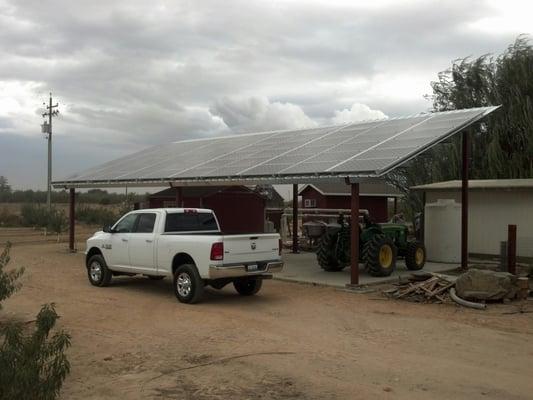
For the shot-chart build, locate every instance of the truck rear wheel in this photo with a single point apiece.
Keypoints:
(325, 253)
(380, 253)
(97, 271)
(415, 256)
(248, 286)
(188, 285)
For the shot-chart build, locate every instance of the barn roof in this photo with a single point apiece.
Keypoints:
(356, 150)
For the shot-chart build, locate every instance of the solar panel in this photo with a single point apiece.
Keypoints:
(362, 149)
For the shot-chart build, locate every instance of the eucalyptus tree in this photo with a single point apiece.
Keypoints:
(502, 144)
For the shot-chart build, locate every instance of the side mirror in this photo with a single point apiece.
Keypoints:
(107, 229)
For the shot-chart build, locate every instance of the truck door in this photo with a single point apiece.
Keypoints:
(141, 243)
(118, 255)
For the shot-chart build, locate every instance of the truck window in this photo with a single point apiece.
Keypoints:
(186, 222)
(145, 223)
(125, 225)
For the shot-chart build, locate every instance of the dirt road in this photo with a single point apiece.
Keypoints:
(133, 340)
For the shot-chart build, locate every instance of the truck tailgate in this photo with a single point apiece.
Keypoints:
(250, 248)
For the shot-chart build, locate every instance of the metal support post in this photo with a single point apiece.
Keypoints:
(354, 234)
(464, 202)
(72, 219)
(295, 218)
(511, 249)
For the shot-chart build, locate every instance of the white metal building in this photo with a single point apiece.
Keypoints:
(493, 205)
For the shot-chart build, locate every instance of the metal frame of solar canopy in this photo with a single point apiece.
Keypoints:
(284, 178)
(350, 177)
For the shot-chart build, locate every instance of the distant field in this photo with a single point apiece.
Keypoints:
(14, 208)
(17, 236)
(29, 235)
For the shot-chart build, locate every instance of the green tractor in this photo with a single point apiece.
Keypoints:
(379, 247)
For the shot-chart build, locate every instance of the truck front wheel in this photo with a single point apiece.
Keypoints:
(188, 285)
(97, 271)
(248, 286)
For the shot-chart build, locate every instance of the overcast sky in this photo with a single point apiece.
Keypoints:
(129, 74)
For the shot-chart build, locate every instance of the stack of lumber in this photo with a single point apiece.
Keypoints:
(434, 288)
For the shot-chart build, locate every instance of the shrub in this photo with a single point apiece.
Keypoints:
(57, 221)
(8, 219)
(8, 279)
(95, 216)
(33, 365)
(33, 215)
(54, 220)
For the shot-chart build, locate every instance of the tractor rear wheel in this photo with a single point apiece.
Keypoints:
(380, 253)
(415, 256)
(325, 254)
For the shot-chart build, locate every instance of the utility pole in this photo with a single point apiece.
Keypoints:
(47, 129)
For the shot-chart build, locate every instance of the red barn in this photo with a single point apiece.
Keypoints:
(239, 209)
(374, 197)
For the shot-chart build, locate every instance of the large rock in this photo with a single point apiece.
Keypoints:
(477, 284)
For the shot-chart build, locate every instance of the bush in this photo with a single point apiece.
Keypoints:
(95, 216)
(54, 220)
(57, 221)
(33, 215)
(8, 219)
(8, 280)
(33, 365)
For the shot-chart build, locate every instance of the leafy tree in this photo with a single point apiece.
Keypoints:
(95, 216)
(33, 364)
(34, 215)
(8, 279)
(502, 145)
(4, 186)
(56, 221)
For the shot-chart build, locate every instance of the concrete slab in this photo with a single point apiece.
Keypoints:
(303, 267)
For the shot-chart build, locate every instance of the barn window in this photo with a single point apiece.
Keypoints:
(309, 203)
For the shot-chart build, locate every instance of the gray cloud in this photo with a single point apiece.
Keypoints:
(255, 114)
(132, 73)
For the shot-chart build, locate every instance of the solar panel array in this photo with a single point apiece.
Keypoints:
(369, 148)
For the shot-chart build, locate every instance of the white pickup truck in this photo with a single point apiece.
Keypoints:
(185, 244)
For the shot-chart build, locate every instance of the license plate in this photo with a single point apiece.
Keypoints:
(252, 267)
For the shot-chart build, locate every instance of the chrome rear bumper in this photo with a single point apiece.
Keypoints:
(235, 271)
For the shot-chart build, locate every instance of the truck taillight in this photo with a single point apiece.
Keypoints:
(217, 251)
(280, 246)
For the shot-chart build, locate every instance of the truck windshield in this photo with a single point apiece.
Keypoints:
(186, 222)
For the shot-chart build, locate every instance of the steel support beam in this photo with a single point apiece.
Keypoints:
(295, 218)
(464, 201)
(72, 219)
(354, 234)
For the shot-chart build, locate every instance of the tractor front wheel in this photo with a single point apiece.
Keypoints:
(380, 253)
(415, 256)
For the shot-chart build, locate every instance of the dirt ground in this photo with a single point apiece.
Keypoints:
(133, 340)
